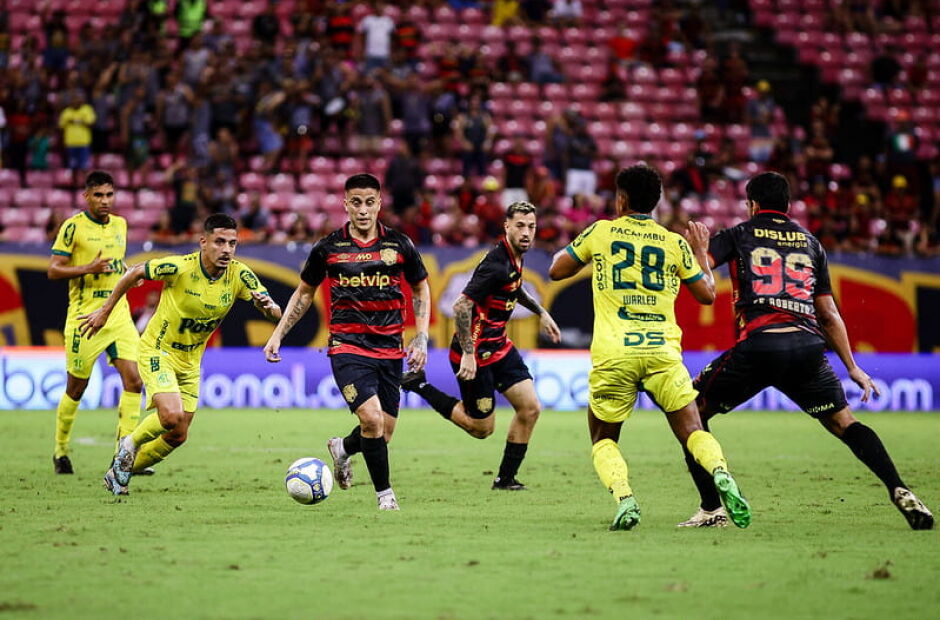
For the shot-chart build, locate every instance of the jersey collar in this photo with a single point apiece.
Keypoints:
(381, 231)
(92, 218)
(206, 273)
(771, 213)
(512, 258)
(641, 216)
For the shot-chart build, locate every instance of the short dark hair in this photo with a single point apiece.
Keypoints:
(522, 207)
(642, 185)
(363, 180)
(770, 190)
(218, 221)
(98, 178)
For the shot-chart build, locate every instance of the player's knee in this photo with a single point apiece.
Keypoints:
(171, 419)
(372, 423)
(530, 415)
(481, 432)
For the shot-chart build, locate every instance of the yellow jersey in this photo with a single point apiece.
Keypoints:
(638, 267)
(192, 305)
(80, 238)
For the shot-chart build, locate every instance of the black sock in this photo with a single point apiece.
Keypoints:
(703, 482)
(375, 453)
(867, 447)
(512, 459)
(351, 443)
(442, 403)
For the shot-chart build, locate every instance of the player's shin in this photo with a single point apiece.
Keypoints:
(703, 482)
(706, 451)
(64, 419)
(148, 430)
(375, 454)
(611, 468)
(152, 453)
(128, 413)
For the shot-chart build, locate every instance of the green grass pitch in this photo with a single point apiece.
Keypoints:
(214, 534)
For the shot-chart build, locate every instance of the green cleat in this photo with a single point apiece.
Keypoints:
(628, 515)
(739, 511)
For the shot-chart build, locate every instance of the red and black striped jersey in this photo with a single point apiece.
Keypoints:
(493, 289)
(365, 288)
(777, 269)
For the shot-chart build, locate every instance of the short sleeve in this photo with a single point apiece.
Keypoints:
(315, 268)
(689, 269)
(64, 243)
(823, 284)
(413, 266)
(721, 247)
(249, 283)
(580, 248)
(488, 277)
(165, 269)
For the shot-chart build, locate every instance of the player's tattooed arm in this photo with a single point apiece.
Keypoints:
(548, 325)
(298, 305)
(418, 347)
(463, 317)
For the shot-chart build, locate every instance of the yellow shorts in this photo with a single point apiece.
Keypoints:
(118, 337)
(613, 386)
(160, 376)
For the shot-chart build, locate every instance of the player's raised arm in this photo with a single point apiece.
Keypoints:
(300, 302)
(418, 347)
(702, 288)
(830, 321)
(93, 322)
(60, 269)
(547, 323)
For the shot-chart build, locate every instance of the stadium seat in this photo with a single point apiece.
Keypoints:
(281, 183)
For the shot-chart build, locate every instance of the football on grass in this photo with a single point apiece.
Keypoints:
(309, 481)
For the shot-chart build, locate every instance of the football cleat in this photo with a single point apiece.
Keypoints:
(914, 510)
(739, 511)
(628, 515)
(146, 471)
(342, 470)
(508, 485)
(707, 518)
(412, 380)
(388, 502)
(62, 465)
(112, 485)
(124, 461)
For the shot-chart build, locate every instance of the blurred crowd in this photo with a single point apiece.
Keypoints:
(192, 107)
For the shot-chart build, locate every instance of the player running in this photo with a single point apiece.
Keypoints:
(364, 263)
(89, 252)
(482, 356)
(785, 317)
(198, 292)
(638, 266)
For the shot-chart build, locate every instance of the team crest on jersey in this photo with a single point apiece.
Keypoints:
(225, 299)
(69, 235)
(165, 269)
(350, 393)
(388, 256)
(485, 405)
(250, 280)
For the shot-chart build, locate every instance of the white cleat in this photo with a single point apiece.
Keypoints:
(124, 460)
(707, 518)
(342, 470)
(388, 502)
(914, 510)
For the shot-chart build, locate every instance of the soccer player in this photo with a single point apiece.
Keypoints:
(198, 291)
(89, 252)
(785, 317)
(484, 358)
(638, 267)
(364, 264)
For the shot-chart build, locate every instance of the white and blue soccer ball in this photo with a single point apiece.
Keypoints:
(309, 481)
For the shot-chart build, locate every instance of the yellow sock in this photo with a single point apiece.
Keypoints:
(148, 430)
(611, 468)
(707, 451)
(64, 418)
(128, 413)
(152, 452)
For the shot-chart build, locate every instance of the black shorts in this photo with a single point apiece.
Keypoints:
(359, 378)
(478, 395)
(794, 363)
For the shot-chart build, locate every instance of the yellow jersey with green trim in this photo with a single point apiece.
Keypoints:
(192, 305)
(638, 267)
(80, 238)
